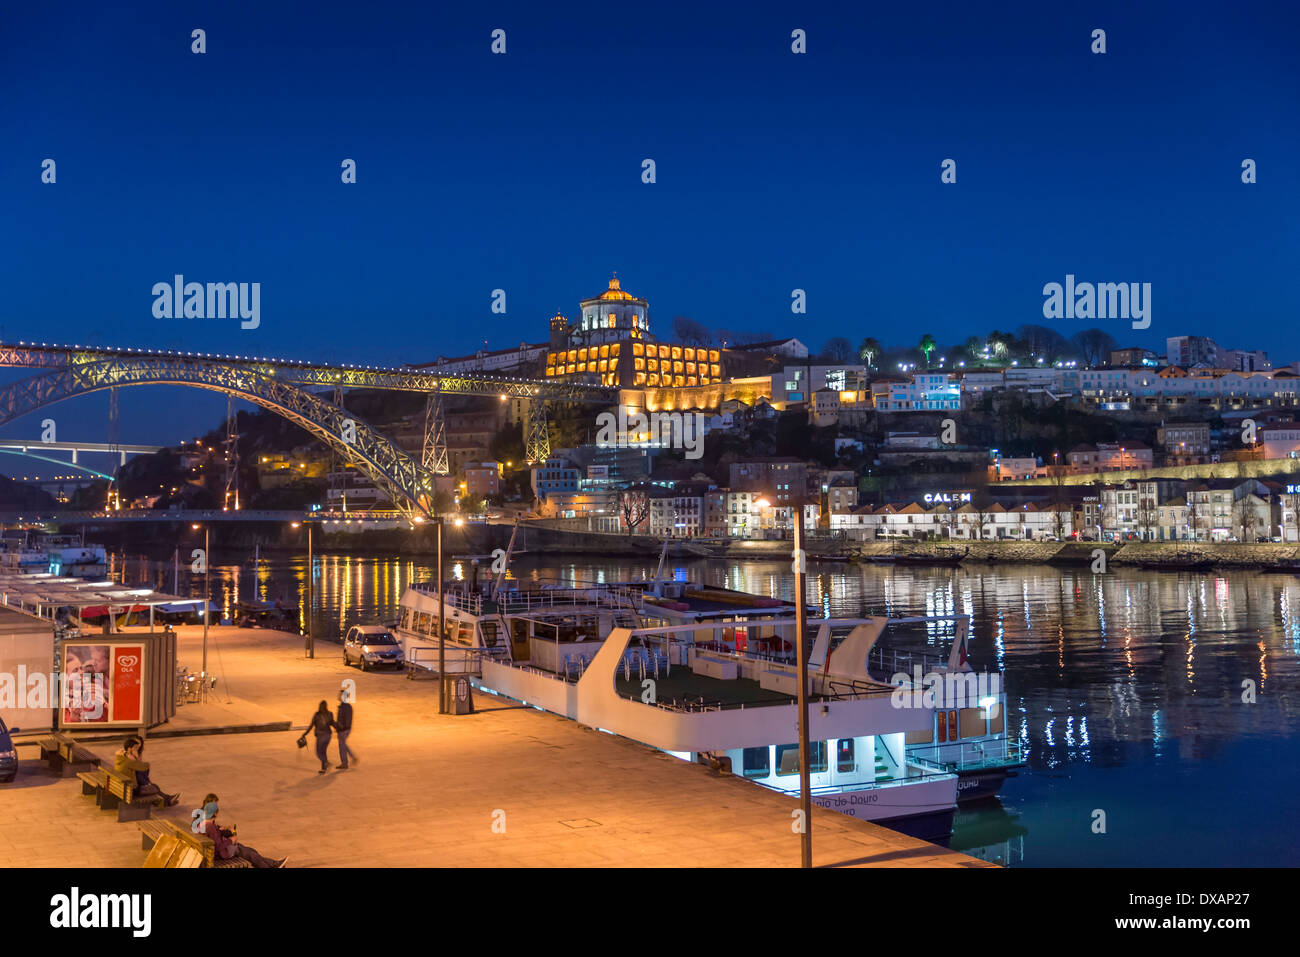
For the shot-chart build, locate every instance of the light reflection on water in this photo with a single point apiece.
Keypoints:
(1126, 689)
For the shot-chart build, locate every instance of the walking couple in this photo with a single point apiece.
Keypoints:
(323, 724)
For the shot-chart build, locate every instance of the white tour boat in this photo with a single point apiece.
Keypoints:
(708, 675)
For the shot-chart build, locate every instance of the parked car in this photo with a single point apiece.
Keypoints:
(8, 754)
(371, 646)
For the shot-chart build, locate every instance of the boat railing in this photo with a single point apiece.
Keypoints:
(893, 661)
(860, 786)
(468, 660)
(970, 755)
(525, 602)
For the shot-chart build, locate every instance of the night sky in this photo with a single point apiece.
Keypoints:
(523, 172)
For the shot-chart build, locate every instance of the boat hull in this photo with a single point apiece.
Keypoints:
(980, 785)
(927, 805)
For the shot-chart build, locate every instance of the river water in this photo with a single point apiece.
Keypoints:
(1130, 691)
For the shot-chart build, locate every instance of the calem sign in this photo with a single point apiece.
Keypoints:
(945, 497)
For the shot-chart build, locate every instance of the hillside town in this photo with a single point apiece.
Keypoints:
(1008, 436)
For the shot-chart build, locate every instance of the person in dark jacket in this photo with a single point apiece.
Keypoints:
(322, 725)
(344, 726)
(224, 842)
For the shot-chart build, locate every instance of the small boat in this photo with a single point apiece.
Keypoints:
(264, 614)
(943, 555)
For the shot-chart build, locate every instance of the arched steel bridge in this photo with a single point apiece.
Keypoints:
(286, 387)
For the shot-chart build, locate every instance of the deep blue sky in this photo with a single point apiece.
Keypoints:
(522, 171)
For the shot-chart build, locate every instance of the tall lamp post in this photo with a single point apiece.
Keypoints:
(309, 640)
(207, 604)
(442, 629)
(800, 638)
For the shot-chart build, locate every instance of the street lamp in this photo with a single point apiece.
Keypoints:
(800, 629)
(309, 640)
(207, 604)
(442, 630)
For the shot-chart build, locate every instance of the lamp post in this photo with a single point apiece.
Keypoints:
(207, 605)
(309, 640)
(442, 630)
(800, 629)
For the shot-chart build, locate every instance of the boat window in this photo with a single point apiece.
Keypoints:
(925, 736)
(997, 718)
(756, 762)
(952, 725)
(941, 719)
(844, 760)
(787, 758)
(974, 724)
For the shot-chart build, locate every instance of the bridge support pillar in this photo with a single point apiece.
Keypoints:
(537, 439)
(435, 436)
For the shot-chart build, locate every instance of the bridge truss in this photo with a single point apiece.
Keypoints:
(285, 387)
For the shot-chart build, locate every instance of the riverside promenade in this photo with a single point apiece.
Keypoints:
(428, 788)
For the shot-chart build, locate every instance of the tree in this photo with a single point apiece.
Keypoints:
(927, 345)
(1042, 342)
(1057, 472)
(689, 331)
(868, 350)
(508, 444)
(634, 507)
(1095, 345)
(837, 350)
(441, 504)
(1247, 518)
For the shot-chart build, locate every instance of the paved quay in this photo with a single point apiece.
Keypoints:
(428, 789)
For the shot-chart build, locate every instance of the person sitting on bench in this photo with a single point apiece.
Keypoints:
(224, 839)
(128, 761)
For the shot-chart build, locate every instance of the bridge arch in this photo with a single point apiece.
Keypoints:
(406, 481)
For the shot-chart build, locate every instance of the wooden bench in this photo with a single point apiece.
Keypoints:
(119, 795)
(93, 782)
(170, 851)
(74, 758)
(153, 830)
(50, 748)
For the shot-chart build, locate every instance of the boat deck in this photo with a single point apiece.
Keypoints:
(693, 690)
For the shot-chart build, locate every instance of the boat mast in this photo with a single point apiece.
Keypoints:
(501, 575)
(656, 586)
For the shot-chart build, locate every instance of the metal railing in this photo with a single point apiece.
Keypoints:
(524, 602)
(973, 755)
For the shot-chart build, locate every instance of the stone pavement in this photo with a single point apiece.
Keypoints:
(428, 788)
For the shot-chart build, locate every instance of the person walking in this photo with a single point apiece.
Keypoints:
(343, 724)
(321, 725)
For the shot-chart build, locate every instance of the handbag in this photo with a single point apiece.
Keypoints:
(302, 742)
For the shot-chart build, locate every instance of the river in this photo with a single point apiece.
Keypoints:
(1131, 691)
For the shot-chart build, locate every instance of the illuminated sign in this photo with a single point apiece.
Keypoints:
(935, 498)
